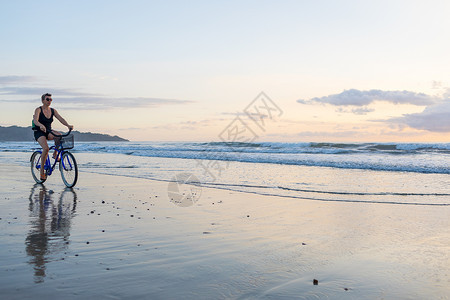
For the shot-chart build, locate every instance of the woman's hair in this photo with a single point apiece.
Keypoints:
(45, 95)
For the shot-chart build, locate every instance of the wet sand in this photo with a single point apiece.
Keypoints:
(118, 237)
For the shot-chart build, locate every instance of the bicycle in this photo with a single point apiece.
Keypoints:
(67, 163)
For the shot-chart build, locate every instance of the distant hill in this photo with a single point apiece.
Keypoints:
(25, 134)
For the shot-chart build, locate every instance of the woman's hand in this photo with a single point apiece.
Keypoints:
(70, 127)
(43, 129)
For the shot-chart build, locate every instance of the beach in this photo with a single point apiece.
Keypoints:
(122, 236)
(225, 150)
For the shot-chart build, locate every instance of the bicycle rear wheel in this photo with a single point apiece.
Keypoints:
(35, 164)
(69, 169)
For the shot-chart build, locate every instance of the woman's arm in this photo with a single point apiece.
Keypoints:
(37, 111)
(61, 119)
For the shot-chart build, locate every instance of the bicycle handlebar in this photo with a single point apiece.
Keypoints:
(61, 135)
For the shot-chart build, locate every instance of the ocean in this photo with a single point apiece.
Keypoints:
(363, 220)
(392, 173)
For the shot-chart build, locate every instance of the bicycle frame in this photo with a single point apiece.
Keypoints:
(48, 165)
(67, 162)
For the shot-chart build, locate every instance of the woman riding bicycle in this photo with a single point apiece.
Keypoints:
(42, 126)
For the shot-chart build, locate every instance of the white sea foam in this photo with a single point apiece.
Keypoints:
(403, 157)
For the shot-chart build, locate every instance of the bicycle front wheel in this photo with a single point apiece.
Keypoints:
(35, 163)
(69, 169)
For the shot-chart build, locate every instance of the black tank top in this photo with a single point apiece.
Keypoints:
(46, 122)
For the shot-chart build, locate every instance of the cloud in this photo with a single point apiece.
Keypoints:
(250, 114)
(361, 98)
(436, 84)
(446, 93)
(346, 133)
(73, 98)
(100, 103)
(16, 79)
(362, 110)
(357, 111)
(20, 86)
(130, 128)
(38, 91)
(191, 125)
(17, 86)
(103, 102)
(435, 118)
(27, 87)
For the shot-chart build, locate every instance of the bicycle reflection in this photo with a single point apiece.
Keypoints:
(50, 227)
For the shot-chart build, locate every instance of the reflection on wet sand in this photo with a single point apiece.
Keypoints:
(50, 224)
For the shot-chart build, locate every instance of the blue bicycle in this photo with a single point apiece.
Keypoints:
(67, 163)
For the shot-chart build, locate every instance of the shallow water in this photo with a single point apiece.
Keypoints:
(121, 237)
(302, 182)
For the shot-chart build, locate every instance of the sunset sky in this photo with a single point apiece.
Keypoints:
(348, 71)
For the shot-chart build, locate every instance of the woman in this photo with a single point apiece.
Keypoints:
(42, 126)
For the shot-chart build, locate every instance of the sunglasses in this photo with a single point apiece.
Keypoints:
(49, 99)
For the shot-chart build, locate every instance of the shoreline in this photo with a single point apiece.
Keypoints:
(122, 237)
(415, 158)
(301, 182)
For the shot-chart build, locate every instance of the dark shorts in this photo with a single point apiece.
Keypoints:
(38, 134)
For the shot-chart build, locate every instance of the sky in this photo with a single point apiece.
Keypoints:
(288, 71)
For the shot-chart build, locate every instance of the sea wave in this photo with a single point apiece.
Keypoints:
(399, 157)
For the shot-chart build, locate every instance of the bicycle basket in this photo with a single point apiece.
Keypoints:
(67, 142)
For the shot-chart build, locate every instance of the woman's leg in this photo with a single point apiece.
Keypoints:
(56, 139)
(43, 142)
